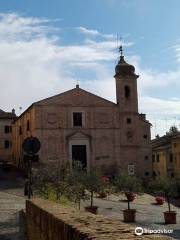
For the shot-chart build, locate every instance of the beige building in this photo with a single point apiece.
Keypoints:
(78, 125)
(166, 156)
(6, 119)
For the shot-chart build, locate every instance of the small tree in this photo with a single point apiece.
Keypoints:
(93, 183)
(127, 184)
(75, 181)
(60, 189)
(43, 177)
(164, 185)
(172, 131)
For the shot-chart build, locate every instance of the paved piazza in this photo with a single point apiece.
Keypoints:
(148, 215)
(11, 202)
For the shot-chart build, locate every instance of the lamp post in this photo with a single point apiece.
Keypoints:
(31, 146)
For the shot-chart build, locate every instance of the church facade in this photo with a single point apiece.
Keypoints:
(78, 125)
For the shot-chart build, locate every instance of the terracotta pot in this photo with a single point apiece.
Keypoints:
(170, 217)
(130, 196)
(102, 195)
(91, 209)
(129, 215)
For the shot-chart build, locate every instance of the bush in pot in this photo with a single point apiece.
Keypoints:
(131, 196)
(76, 187)
(105, 186)
(168, 187)
(129, 185)
(93, 184)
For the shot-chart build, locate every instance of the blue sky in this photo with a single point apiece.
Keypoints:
(45, 46)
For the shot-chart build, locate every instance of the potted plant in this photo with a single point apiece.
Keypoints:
(76, 187)
(168, 187)
(129, 185)
(93, 185)
(104, 187)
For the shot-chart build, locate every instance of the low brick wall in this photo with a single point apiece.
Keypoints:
(50, 221)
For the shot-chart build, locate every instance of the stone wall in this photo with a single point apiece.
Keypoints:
(50, 221)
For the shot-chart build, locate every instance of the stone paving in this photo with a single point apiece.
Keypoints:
(148, 214)
(11, 202)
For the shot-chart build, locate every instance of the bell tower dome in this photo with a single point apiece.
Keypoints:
(126, 85)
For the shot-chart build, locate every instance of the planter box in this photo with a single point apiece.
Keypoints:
(92, 209)
(129, 215)
(170, 217)
(102, 195)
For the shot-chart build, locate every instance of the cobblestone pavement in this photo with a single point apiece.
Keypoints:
(148, 215)
(11, 202)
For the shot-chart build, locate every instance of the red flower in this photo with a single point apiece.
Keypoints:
(160, 200)
(105, 179)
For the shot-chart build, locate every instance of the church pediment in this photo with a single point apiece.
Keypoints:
(76, 97)
(78, 135)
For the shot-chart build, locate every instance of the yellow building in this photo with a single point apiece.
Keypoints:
(166, 156)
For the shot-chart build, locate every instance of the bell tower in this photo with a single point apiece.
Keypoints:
(126, 86)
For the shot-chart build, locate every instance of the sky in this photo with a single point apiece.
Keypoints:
(47, 46)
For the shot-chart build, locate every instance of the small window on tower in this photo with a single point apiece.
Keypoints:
(129, 121)
(77, 119)
(127, 91)
(145, 136)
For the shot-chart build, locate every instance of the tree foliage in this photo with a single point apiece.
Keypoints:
(128, 184)
(172, 131)
(93, 182)
(165, 185)
(125, 183)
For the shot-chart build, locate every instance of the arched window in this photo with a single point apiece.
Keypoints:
(127, 91)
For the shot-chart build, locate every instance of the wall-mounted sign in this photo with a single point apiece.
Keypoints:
(131, 169)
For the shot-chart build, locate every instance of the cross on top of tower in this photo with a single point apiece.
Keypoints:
(77, 84)
(121, 50)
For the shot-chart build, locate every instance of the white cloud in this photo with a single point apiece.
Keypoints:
(94, 33)
(34, 65)
(87, 31)
(14, 27)
(158, 106)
